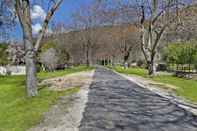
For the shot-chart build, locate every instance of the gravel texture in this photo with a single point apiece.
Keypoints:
(118, 104)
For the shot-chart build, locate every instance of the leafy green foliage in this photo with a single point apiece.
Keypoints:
(195, 61)
(181, 53)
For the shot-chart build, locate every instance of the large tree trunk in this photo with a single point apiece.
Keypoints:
(112, 60)
(31, 80)
(152, 64)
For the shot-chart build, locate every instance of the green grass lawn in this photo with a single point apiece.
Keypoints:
(134, 71)
(17, 112)
(187, 88)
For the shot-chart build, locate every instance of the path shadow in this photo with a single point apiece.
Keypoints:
(117, 104)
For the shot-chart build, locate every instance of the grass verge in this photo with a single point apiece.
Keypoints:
(186, 88)
(17, 112)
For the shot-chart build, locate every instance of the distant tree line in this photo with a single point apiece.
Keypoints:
(108, 44)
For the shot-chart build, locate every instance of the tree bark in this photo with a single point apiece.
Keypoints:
(151, 68)
(31, 79)
(30, 63)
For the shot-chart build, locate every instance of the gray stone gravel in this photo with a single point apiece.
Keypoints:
(117, 104)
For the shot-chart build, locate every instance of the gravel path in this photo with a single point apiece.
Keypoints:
(66, 115)
(117, 104)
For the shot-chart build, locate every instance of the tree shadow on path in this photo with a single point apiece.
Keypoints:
(117, 104)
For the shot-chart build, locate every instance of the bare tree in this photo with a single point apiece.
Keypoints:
(124, 35)
(23, 8)
(155, 16)
(63, 42)
(87, 18)
(187, 29)
(128, 42)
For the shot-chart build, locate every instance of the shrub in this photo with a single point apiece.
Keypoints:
(140, 63)
(161, 67)
(50, 59)
(181, 53)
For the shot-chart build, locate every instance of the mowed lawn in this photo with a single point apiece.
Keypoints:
(186, 88)
(17, 112)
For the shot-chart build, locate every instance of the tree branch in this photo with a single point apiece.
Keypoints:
(158, 36)
(142, 38)
(45, 24)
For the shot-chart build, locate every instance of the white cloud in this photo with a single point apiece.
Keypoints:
(38, 12)
(36, 28)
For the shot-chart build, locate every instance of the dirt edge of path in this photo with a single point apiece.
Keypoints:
(66, 115)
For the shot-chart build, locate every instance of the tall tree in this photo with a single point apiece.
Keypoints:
(23, 10)
(155, 16)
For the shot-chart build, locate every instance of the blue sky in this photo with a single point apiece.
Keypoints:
(63, 15)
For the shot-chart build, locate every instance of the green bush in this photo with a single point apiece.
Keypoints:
(181, 53)
(141, 63)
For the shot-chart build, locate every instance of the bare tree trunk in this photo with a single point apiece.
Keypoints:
(87, 57)
(90, 56)
(151, 68)
(126, 58)
(112, 61)
(31, 80)
(152, 64)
